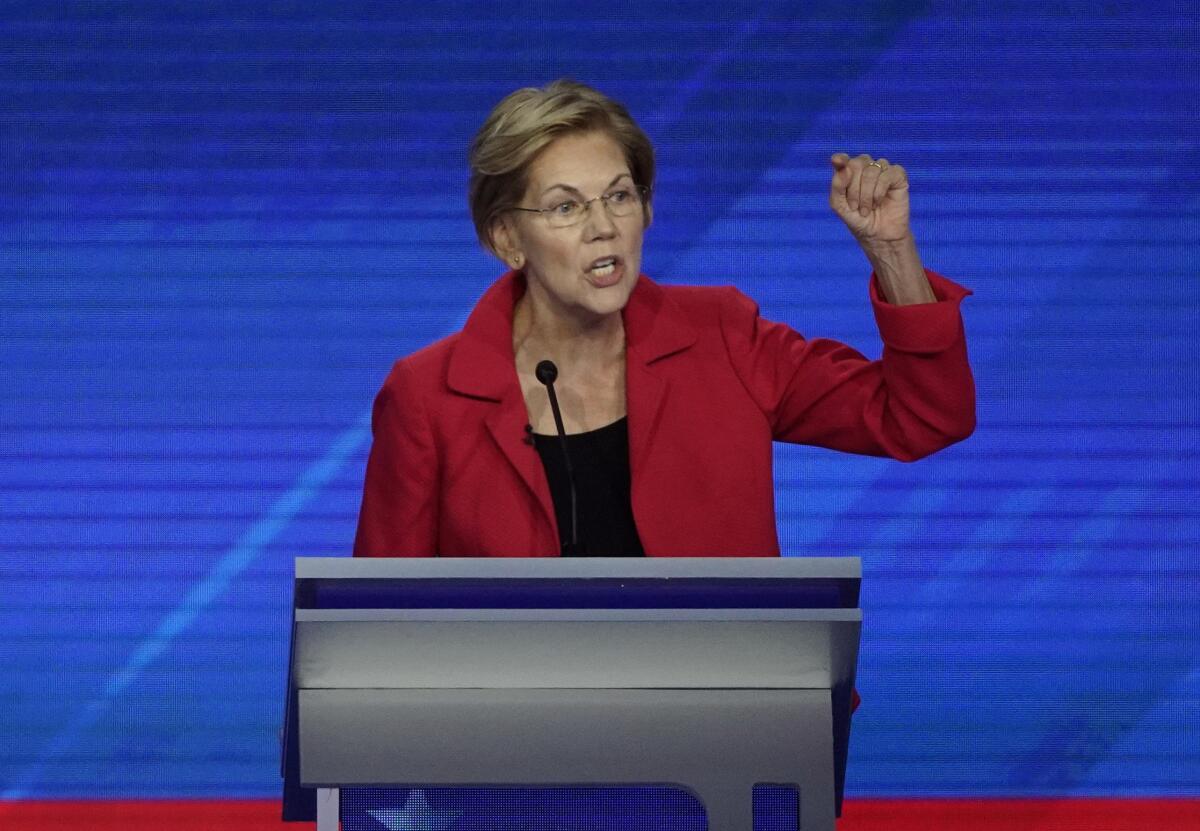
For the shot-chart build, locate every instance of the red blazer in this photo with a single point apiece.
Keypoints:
(709, 386)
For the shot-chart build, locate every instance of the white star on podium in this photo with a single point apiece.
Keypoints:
(416, 815)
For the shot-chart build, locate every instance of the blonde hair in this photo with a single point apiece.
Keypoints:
(523, 124)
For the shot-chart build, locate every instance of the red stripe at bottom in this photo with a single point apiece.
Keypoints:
(144, 815)
(1021, 815)
(859, 815)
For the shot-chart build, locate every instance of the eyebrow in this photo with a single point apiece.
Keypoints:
(578, 192)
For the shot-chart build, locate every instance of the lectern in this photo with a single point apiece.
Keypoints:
(715, 675)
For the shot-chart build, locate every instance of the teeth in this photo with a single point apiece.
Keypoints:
(603, 268)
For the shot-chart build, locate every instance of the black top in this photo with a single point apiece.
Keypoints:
(605, 512)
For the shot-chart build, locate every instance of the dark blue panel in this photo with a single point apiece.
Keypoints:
(664, 808)
(578, 594)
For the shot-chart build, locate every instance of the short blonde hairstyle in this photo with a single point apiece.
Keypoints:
(523, 124)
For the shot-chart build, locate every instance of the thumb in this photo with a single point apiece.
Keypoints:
(842, 175)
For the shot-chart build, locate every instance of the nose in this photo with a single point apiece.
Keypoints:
(599, 223)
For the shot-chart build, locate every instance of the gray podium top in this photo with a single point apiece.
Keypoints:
(576, 568)
(578, 583)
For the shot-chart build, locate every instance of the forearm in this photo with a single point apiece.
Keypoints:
(900, 272)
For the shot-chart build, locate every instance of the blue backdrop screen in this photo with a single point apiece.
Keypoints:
(220, 223)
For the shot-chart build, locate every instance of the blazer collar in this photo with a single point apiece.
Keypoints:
(482, 364)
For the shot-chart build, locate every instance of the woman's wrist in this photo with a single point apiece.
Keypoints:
(898, 268)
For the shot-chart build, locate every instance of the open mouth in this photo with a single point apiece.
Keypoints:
(603, 267)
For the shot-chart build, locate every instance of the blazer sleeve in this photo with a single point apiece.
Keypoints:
(918, 398)
(399, 514)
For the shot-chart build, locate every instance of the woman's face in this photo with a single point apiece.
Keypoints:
(588, 270)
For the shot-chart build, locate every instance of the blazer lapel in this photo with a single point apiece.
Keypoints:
(655, 328)
(507, 423)
(482, 367)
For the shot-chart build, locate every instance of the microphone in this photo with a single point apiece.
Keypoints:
(547, 374)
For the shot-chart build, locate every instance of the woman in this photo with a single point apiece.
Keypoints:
(671, 396)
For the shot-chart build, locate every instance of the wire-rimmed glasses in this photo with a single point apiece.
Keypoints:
(564, 213)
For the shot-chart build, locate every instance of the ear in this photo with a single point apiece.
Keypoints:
(506, 241)
(649, 216)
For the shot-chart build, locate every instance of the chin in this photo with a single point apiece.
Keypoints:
(609, 300)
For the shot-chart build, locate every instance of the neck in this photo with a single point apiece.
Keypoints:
(566, 339)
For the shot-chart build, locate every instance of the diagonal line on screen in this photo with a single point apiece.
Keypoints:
(674, 109)
(244, 551)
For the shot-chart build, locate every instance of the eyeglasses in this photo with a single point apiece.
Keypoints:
(620, 202)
